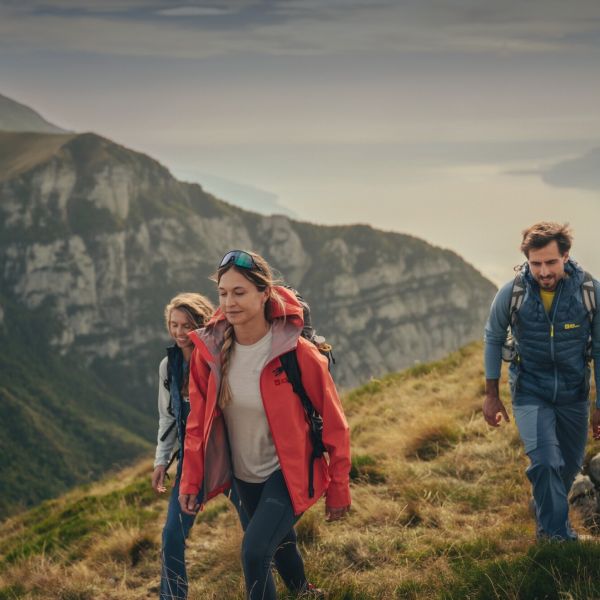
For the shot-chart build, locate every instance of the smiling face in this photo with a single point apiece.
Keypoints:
(240, 300)
(547, 265)
(180, 324)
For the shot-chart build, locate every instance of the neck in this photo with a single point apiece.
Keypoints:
(187, 353)
(250, 333)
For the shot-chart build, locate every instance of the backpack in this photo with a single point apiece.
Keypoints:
(509, 351)
(289, 364)
(167, 386)
(310, 333)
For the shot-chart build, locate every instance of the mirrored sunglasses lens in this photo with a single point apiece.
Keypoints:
(244, 261)
(227, 259)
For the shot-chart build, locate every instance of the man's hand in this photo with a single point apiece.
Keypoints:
(335, 514)
(158, 479)
(189, 503)
(493, 410)
(596, 423)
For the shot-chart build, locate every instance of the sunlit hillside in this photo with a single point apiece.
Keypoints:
(440, 510)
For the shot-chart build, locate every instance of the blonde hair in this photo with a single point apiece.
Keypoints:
(261, 275)
(198, 308)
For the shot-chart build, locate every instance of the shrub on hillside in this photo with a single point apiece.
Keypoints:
(366, 469)
(432, 440)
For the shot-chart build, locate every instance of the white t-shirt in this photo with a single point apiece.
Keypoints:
(252, 449)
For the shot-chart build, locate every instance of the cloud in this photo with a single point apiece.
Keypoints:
(194, 11)
(582, 172)
(299, 27)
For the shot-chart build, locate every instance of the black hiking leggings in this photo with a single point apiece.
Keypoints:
(269, 535)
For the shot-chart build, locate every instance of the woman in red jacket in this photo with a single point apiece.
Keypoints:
(246, 421)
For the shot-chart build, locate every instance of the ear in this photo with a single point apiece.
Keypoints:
(266, 296)
(565, 257)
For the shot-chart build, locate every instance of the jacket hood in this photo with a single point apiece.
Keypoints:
(288, 316)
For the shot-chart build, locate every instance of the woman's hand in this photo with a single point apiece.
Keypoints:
(158, 479)
(335, 514)
(189, 504)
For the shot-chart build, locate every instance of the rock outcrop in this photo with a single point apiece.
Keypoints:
(95, 239)
(103, 236)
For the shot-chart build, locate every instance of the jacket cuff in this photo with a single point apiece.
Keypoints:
(190, 488)
(337, 496)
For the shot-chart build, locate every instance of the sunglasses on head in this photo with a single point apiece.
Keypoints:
(239, 258)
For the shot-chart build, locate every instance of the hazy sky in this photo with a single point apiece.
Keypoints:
(432, 117)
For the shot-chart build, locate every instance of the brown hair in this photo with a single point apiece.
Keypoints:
(543, 233)
(261, 275)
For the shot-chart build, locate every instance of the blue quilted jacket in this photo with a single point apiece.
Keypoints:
(552, 346)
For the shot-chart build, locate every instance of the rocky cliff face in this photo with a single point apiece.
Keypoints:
(102, 237)
(95, 239)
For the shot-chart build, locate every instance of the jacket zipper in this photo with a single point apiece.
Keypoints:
(551, 321)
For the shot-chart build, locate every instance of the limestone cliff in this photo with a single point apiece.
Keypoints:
(105, 236)
(95, 239)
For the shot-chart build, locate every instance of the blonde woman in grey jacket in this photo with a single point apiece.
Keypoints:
(183, 314)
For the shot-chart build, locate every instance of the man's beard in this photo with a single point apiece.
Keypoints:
(548, 283)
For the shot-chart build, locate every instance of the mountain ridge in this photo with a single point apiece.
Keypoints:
(15, 116)
(96, 238)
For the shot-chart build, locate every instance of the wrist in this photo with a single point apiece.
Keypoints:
(492, 388)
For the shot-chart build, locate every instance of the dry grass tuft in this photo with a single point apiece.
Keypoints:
(432, 440)
(440, 510)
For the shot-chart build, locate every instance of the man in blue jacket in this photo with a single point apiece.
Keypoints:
(555, 336)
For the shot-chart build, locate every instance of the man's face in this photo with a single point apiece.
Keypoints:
(547, 265)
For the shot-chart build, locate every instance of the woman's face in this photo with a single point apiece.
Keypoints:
(179, 326)
(240, 300)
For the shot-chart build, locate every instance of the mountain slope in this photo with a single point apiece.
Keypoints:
(116, 224)
(20, 152)
(440, 510)
(96, 238)
(59, 425)
(15, 116)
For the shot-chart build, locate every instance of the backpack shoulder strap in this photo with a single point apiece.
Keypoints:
(516, 298)
(589, 295)
(289, 363)
(168, 382)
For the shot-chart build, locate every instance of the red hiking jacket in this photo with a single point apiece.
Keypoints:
(207, 463)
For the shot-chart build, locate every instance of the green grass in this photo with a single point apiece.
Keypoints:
(57, 526)
(366, 469)
(449, 527)
(551, 571)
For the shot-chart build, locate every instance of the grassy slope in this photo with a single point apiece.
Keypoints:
(20, 152)
(439, 511)
(59, 424)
